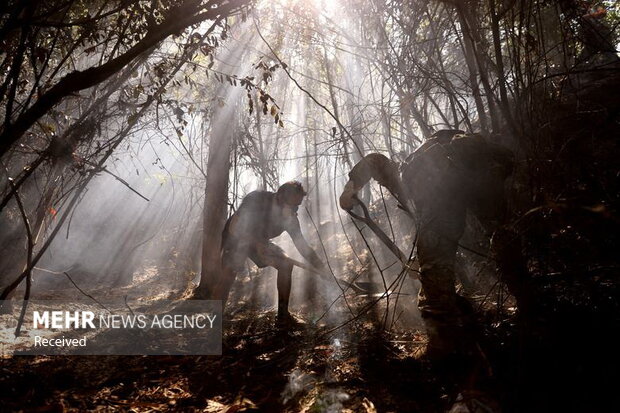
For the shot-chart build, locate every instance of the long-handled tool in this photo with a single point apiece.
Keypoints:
(412, 267)
(366, 288)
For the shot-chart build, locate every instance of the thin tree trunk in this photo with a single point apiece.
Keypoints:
(317, 191)
(499, 63)
(216, 195)
(261, 150)
(468, 51)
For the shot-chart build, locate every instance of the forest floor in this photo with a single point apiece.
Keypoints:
(262, 368)
(358, 367)
(566, 364)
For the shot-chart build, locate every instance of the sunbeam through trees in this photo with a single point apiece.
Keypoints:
(446, 173)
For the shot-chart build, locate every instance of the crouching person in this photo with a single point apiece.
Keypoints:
(262, 216)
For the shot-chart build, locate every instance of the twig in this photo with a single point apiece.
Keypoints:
(327, 260)
(27, 171)
(127, 305)
(367, 307)
(83, 292)
(325, 108)
(374, 258)
(118, 178)
(22, 211)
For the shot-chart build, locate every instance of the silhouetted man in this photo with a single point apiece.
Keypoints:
(450, 174)
(262, 216)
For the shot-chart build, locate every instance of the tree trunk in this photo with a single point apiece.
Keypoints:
(216, 195)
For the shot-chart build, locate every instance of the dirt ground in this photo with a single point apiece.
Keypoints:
(303, 367)
(308, 367)
(263, 368)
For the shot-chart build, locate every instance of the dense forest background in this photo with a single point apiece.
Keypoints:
(131, 129)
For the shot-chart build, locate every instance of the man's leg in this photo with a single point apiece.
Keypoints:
(512, 267)
(232, 260)
(222, 289)
(437, 245)
(285, 271)
(268, 254)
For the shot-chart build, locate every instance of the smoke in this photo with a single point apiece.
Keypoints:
(114, 233)
(115, 237)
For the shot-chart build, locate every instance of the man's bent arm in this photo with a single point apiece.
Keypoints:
(376, 166)
(302, 245)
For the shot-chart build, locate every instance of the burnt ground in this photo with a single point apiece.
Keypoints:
(263, 368)
(567, 362)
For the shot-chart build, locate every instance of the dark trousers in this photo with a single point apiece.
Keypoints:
(264, 255)
(439, 231)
